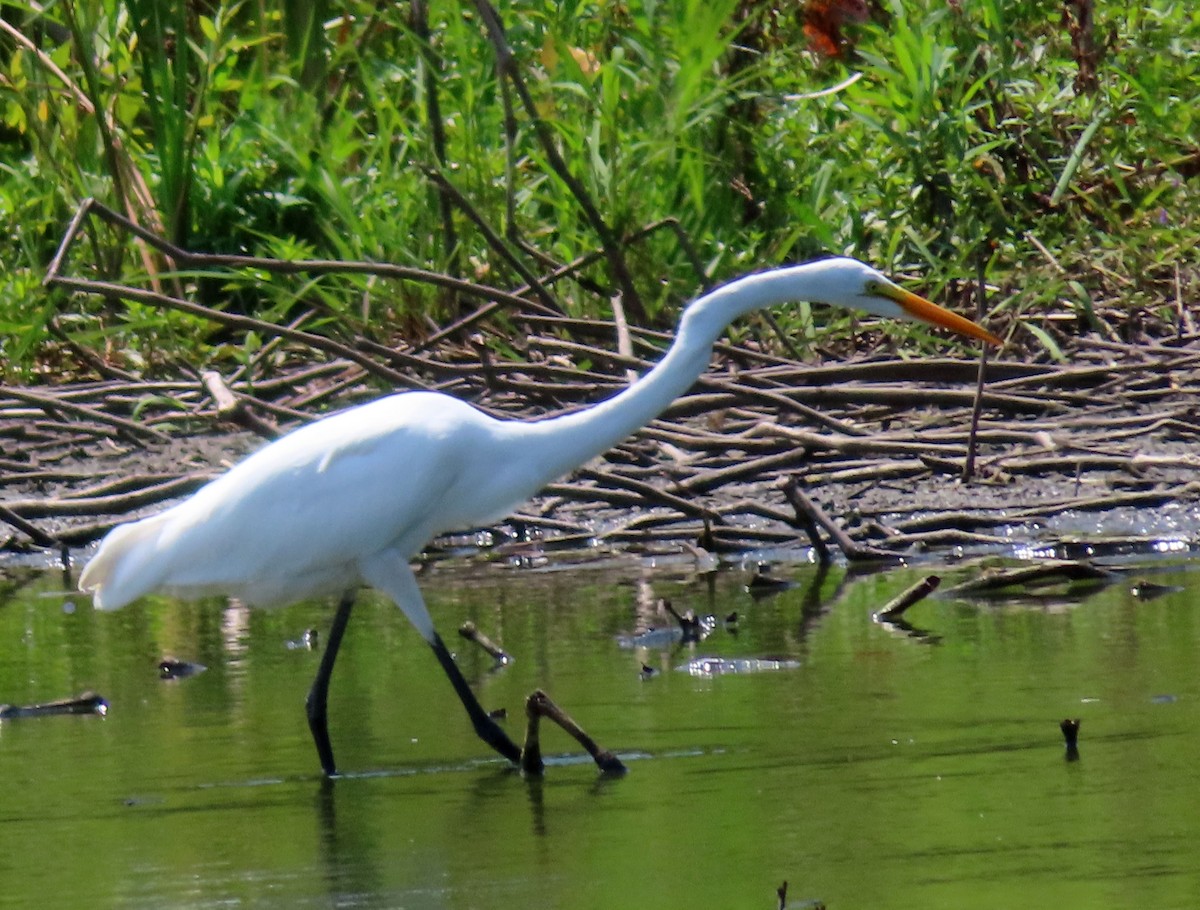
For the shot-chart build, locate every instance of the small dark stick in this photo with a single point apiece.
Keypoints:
(29, 529)
(172, 668)
(895, 607)
(805, 519)
(689, 624)
(782, 890)
(87, 703)
(531, 751)
(1148, 590)
(1043, 573)
(809, 515)
(1070, 732)
(468, 631)
(763, 582)
(539, 705)
(968, 468)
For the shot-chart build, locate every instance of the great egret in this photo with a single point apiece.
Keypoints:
(350, 499)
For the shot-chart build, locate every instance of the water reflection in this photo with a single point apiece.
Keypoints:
(873, 771)
(347, 863)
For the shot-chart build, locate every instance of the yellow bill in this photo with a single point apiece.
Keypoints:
(927, 311)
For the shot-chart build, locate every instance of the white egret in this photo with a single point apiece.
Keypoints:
(350, 499)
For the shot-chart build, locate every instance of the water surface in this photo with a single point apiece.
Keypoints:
(887, 770)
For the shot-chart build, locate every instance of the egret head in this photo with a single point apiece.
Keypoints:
(850, 283)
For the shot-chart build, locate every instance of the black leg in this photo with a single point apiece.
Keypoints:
(489, 731)
(316, 705)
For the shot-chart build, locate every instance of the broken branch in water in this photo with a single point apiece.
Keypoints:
(895, 607)
(87, 703)
(1052, 572)
(468, 631)
(1070, 732)
(539, 705)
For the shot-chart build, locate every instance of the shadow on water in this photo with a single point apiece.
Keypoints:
(910, 764)
(345, 861)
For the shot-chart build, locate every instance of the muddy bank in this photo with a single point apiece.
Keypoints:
(903, 453)
(1105, 448)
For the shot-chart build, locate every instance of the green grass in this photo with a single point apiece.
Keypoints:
(230, 127)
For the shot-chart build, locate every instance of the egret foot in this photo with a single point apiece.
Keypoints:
(485, 727)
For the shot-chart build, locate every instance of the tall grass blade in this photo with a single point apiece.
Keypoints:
(1076, 157)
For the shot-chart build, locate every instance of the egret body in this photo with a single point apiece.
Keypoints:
(350, 499)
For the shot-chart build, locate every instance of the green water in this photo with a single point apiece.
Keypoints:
(887, 771)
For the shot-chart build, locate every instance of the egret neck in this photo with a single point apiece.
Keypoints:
(561, 444)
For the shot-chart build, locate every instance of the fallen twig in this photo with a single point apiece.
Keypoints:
(852, 550)
(895, 607)
(1041, 574)
(468, 631)
(87, 703)
(539, 705)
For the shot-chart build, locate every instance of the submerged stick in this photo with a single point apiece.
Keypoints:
(692, 628)
(539, 705)
(87, 703)
(468, 631)
(895, 607)
(804, 518)
(1070, 732)
(531, 751)
(1051, 572)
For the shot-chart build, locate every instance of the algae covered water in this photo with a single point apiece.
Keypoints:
(902, 766)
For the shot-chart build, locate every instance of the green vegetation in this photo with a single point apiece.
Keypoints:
(1053, 151)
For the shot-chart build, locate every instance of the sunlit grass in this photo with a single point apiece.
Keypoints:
(964, 141)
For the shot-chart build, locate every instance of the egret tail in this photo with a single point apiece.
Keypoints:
(126, 566)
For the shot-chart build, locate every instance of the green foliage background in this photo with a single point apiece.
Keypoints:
(299, 129)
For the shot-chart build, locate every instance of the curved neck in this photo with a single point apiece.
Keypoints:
(561, 444)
